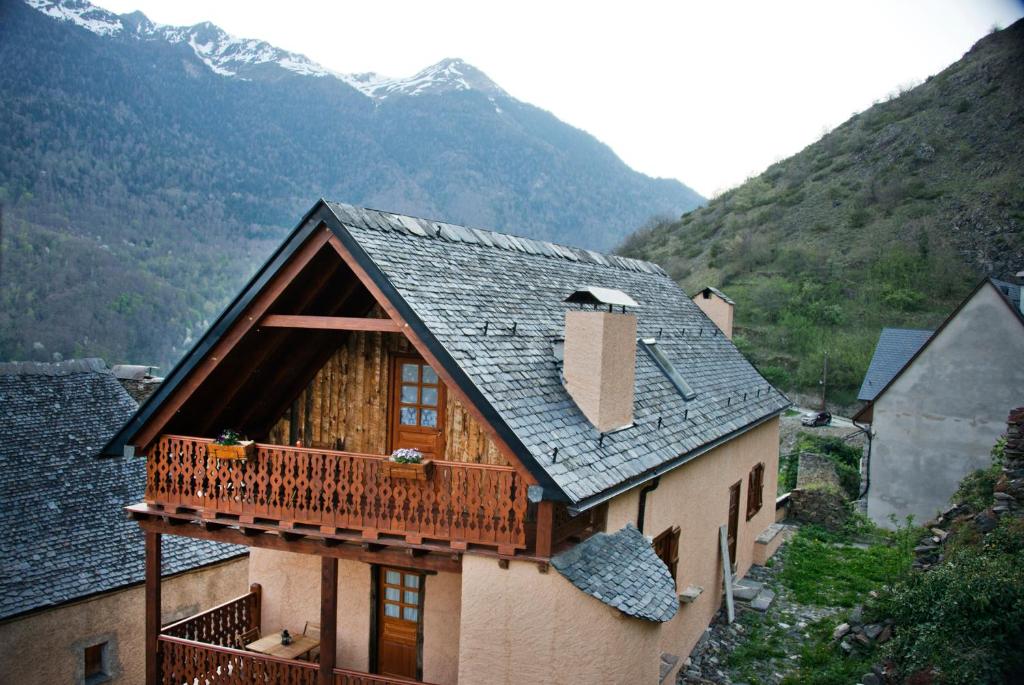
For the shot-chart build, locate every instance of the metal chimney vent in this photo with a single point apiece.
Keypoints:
(596, 296)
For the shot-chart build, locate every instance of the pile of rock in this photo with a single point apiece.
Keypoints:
(855, 636)
(1009, 490)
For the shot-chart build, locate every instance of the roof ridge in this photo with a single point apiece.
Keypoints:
(61, 368)
(380, 220)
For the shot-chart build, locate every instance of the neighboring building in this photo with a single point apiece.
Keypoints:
(571, 404)
(938, 415)
(71, 565)
(895, 348)
(718, 307)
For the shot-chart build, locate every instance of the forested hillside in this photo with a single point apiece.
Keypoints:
(886, 221)
(142, 181)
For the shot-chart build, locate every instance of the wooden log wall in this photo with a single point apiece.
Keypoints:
(345, 406)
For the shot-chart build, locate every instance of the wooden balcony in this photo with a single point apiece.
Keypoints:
(460, 504)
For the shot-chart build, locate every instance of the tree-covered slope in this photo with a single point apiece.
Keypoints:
(886, 221)
(143, 181)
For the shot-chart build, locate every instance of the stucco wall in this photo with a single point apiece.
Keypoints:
(523, 626)
(291, 596)
(718, 310)
(695, 497)
(48, 647)
(939, 419)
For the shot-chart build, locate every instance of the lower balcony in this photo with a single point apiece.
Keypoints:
(333, 492)
(209, 648)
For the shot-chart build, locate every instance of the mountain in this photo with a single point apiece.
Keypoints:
(886, 221)
(146, 170)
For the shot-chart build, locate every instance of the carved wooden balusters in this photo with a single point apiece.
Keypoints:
(221, 624)
(463, 503)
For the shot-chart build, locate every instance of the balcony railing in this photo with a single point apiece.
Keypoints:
(222, 624)
(460, 503)
(186, 662)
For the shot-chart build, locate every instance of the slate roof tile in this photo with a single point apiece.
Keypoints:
(622, 570)
(63, 531)
(460, 279)
(894, 349)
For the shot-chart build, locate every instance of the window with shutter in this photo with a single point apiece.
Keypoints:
(755, 491)
(666, 546)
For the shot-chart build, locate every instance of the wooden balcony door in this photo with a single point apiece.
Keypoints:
(417, 407)
(399, 622)
(734, 520)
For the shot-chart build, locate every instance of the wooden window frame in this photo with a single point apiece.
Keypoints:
(755, 490)
(666, 546)
(395, 404)
(95, 667)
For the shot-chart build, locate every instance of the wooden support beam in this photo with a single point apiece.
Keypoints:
(545, 528)
(328, 619)
(330, 323)
(153, 607)
(393, 556)
(257, 609)
(246, 321)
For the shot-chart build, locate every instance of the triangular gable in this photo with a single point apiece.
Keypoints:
(207, 367)
(866, 412)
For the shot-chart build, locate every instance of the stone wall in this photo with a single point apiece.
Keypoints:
(818, 497)
(816, 470)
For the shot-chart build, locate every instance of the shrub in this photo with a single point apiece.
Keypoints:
(963, 618)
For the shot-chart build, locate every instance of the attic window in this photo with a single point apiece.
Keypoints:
(651, 346)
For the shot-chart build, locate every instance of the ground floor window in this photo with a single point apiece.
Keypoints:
(96, 670)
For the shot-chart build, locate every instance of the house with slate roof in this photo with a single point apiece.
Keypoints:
(71, 563)
(937, 401)
(584, 438)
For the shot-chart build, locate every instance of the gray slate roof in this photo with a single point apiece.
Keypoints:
(457, 280)
(63, 533)
(894, 349)
(1011, 290)
(622, 570)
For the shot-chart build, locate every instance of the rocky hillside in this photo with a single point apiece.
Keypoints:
(146, 170)
(886, 221)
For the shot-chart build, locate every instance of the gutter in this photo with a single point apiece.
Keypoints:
(642, 507)
(602, 497)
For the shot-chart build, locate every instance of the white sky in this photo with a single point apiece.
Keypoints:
(708, 93)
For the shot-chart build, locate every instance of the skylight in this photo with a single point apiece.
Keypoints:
(651, 346)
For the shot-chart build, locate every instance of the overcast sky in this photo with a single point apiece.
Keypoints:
(708, 93)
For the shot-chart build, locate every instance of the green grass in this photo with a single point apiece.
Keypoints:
(820, 570)
(823, 663)
(764, 640)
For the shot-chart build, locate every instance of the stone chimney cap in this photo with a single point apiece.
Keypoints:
(601, 296)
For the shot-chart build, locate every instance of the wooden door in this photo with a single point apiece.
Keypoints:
(734, 520)
(417, 407)
(399, 621)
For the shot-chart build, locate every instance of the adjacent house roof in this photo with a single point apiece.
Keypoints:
(63, 533)
(1005, 293)
(622, 570)
(1010, 290)
(894, 349)
(489, 306)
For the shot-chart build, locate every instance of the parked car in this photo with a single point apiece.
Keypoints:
(816, 418)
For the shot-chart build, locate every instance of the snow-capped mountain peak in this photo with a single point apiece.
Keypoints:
(229, 56)
(450, 74)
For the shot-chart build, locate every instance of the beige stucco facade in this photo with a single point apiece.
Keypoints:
(695, 497)
(499, 625)
(718, 310)
(291, 597)
(47, 647)
(939, 419)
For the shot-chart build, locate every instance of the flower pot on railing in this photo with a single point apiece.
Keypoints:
(407, 463)
(243, 450)
(230, 445)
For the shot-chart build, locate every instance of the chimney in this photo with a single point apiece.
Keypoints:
(599, 356)
(718, 307)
